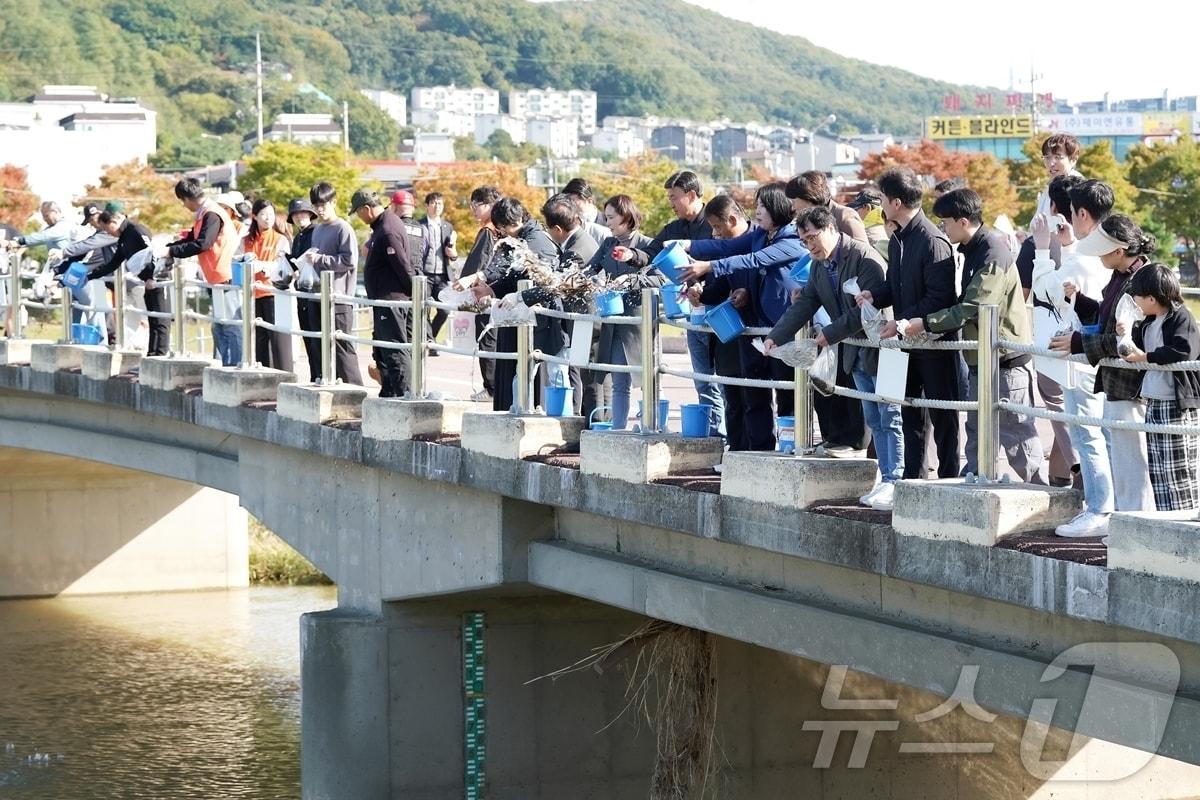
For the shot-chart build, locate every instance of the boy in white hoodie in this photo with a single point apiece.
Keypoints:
(1087, 202)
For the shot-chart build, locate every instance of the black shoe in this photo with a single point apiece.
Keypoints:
(1061, 483)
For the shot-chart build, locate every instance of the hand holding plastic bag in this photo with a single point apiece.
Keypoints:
(873, 322)
(798, 353)
(511, 311)
(307, 279)
(282, 273)
(1127, 314)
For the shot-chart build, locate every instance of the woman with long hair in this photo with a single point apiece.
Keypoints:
(266, 239)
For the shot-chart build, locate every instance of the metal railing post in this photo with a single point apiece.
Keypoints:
(416, 382)
(524, 345)
(179, 292)
(248, 315)
(988, 381)
(649, 330)
(328, 367)
(802, 403)
(67, 299)
(14, 295)
(119, 309)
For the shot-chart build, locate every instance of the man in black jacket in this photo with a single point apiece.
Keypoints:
(482, 200)
(301, 215)
(388, 276)
(576, 247)
(920, 280)
(133, 237)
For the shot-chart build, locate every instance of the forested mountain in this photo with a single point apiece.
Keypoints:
(193, 61)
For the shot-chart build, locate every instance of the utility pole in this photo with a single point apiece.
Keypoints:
(346, 126)
(258, 71)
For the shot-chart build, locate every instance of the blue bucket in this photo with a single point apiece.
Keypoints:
(75, 277)
(694, 418)
(787, 435)
(670, 261)
(598, 426)
(1091, 329)
(239, 270)
(800, 271)
(673, 306)
(610, 304)
(725, 321)
(85, 334)
(664, 411)
(558, 400)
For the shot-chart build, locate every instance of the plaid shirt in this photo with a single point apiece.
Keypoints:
(1116, 383)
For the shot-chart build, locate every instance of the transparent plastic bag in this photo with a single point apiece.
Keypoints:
(281, 273)
(798, 353)
(823, 372)
(307, 279)
(455, 297)
(1129, 314)
(512, 311)
(873, 322)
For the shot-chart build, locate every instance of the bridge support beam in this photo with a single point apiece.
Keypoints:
(77, 527)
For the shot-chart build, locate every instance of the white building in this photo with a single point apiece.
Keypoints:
(574, 104)
(620, 141)
(560, 136)
(65, 136)
(468, 102)
(298, 128)
(487, 124)
(428, 148)
(390, 103)
(825, 153)
(434, 120)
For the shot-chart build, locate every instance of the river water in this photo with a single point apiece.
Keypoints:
(182, 695)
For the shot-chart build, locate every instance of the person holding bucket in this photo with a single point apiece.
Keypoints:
(620, 344)
(837, 258)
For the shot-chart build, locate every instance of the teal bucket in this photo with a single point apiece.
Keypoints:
(673, 306)
(664, 411)
(75, 277)
(610, 304)
(725, 322)
(787, 435)
(558, 400)
(598, 426)
(85, 334)
(239, 269)
(694, 418)
(670, 261)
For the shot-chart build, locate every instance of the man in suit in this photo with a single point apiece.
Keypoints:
(835, 259)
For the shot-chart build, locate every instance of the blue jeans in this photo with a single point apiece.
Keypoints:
(622, 382)
(1092, 447)
(886, 428)
(227, 339)
(700, 348)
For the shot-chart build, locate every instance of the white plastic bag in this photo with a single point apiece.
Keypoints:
(281, 273)
(454, 297)
(873, 322)
(307, 279)
(512, 311)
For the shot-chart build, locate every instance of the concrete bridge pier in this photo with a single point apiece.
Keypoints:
(69, 526)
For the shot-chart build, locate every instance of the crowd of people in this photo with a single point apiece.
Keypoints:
(1083, 281)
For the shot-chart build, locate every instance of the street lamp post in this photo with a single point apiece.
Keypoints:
(812, 140)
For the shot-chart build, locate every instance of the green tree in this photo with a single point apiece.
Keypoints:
(1095, 161)
(1168, 179)
(283, 171)
(373, 134)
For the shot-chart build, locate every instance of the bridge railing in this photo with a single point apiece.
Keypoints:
(989, 348)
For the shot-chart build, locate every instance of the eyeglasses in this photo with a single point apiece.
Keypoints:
(810, 237)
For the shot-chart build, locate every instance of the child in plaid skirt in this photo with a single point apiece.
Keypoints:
(1168, 335)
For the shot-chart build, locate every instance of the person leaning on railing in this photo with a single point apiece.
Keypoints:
(335, 249)
(838, 258)
(1168, 335)
(1122, 247)
(308, 312)
(266, 239)
(990, 278)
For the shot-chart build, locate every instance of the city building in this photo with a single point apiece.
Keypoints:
(829, 154)
(554, 103)
(65, 136)
(435, 120)
(487, 124)
(730, 142)
(619, 141)
(468, 102)
(428, 148)
(559, 136)
(640, 127)
(390, 103)
(298, 128)
(683, 143)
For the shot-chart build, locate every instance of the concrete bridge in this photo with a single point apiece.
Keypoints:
(428, 515)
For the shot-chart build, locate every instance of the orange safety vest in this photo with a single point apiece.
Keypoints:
(263, 248)
(215, 261)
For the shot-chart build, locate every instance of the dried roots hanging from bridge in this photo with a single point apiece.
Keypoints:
(672, 684)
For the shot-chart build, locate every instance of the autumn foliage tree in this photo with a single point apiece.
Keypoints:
(17, 202)
(457, 180)
(147, 196)
(642, 178)
(933, 162)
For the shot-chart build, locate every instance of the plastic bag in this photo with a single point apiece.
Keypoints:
(281, 273)
(512, 311)
(850, 286)
(823, 372)
(873, 322)
(307, 279)
(798, 353)
(1127, 313)
(455, 297)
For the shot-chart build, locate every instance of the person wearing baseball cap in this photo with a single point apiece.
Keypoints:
(1124, 248)
(403, 205)
(868, 204)
(401, 198)
(387, 276)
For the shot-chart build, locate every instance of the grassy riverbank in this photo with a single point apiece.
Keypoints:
(273, 561)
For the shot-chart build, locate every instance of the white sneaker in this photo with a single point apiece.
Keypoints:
(866, 498)
(1086, 523)
(882, 501)
(482, 396)
(718, 468)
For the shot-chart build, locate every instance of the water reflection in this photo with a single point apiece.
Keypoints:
(188, 695)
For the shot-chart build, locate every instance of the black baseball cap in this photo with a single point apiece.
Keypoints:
(865, 198)
(90, 210)
(363, 197)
